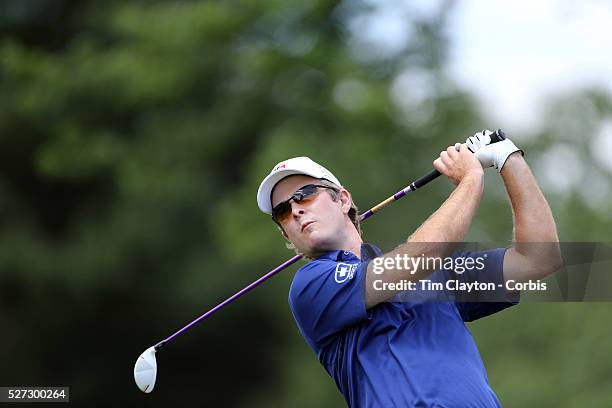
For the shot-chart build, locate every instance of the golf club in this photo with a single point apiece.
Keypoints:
(145, 369)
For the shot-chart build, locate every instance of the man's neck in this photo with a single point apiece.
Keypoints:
(354, 248)
(351, 243)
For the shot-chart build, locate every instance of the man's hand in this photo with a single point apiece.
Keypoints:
(491, 155)
(456, 165)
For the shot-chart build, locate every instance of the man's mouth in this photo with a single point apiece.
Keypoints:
(306, 224)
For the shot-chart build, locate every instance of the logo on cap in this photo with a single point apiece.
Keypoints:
(280, 166)
(344, 272)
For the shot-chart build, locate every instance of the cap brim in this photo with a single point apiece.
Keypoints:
(267, 185)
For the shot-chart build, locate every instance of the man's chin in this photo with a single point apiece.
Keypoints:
(317, 247)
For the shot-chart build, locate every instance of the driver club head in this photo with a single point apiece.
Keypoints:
(145, 370)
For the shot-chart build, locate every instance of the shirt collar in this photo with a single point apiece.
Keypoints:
(368, 251)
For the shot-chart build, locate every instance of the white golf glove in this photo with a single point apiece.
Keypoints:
(491, 155)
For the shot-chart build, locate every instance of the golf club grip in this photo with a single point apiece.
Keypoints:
(496, 136)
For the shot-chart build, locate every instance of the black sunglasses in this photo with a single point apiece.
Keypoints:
(283, 209)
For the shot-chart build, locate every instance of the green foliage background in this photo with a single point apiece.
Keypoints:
(133, 137)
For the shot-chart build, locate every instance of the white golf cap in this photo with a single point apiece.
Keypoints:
(297, 165)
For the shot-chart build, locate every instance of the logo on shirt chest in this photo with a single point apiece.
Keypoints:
(344, 272)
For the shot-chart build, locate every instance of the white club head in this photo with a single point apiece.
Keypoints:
(145, 370)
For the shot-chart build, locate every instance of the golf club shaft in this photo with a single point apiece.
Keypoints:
(432, 175)
(231, 299)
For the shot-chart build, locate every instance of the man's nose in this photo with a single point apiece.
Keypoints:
(297, 209)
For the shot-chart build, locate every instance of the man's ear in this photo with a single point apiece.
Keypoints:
(345, 200)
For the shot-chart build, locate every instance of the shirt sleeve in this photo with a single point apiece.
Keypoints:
(327, 297)
(476, 305)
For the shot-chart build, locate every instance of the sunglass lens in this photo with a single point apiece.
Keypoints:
(304, 192)
(281, 211)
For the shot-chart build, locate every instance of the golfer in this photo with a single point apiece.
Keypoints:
(382, 352)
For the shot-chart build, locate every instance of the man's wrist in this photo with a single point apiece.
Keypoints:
(475, 175)
(513, 158)
(473, 178)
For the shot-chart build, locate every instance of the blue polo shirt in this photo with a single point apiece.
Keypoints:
(395, 354)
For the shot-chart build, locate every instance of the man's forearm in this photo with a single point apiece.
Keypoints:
(452, 220)
(435, 237)
(533, 219)
(536, 252)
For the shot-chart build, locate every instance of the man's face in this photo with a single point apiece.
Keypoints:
(316, 225)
